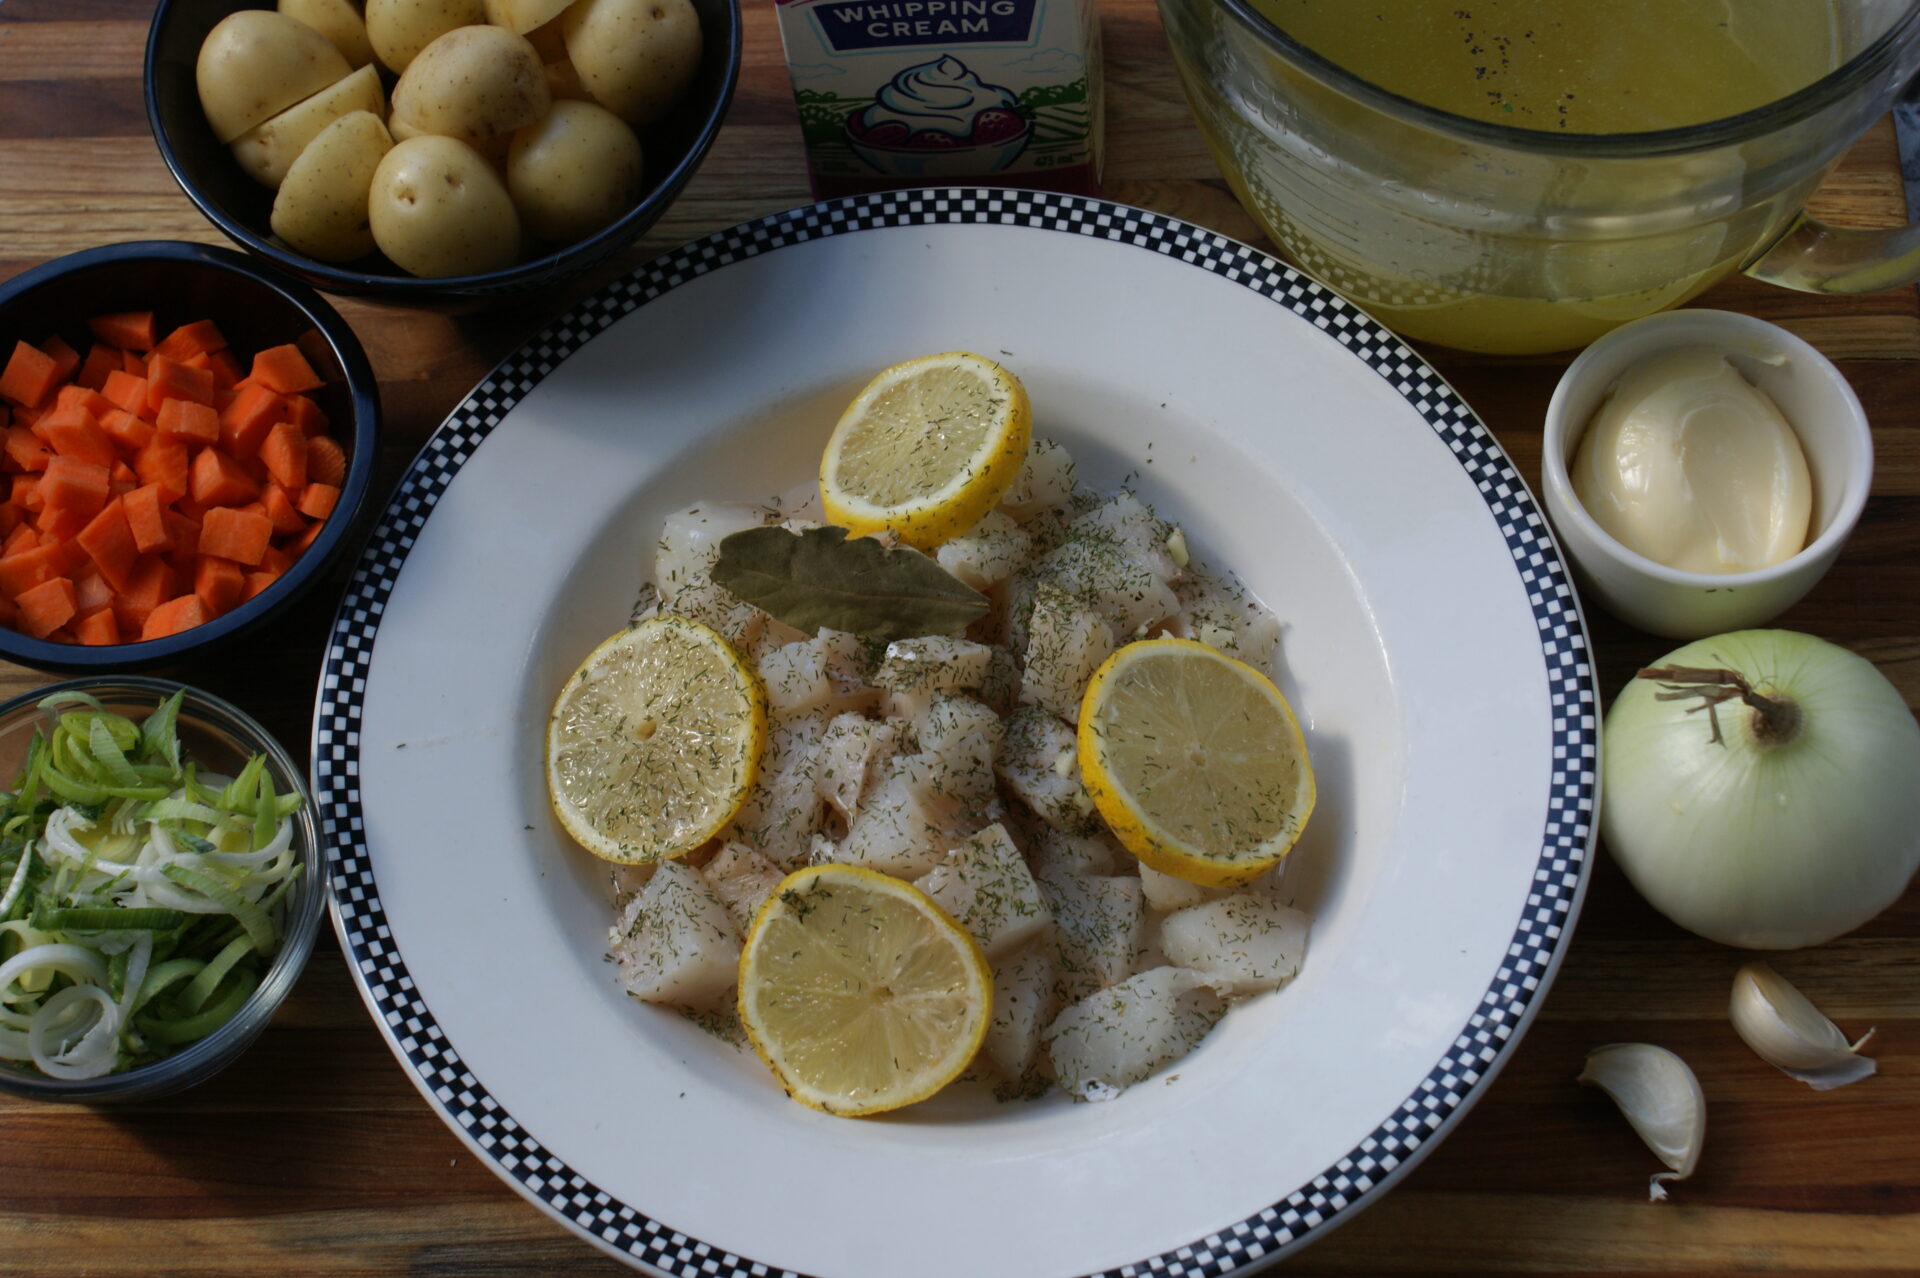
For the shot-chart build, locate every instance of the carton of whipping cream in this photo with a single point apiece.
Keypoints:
(931, 92)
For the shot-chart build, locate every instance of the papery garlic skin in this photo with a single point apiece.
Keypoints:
(1660, 1096)
(1787, 1031)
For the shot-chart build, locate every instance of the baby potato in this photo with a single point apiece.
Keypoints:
(635, 56)
(339, 21)
(438, 209)
(321, 209)
(255, 64)
(399, 29)
(473, 83)
(522, 16)
(573, 172)
(268, 149)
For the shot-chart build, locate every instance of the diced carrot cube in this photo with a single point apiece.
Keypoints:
(164, 462)
(244, 423)
(277, 559)
(134, 363)
(129, 330)
(27, 450)
(326, 461)
(27, 569)
(152, 584)
(183, 538)
(285, 369)
(317, 500)
(74, 395)
(66, 360)
(22, 537)
(144, 507)
(73, 483)
(219, 480)
(285, 454)
(126, 430)
(197, 424)
(102, 361)
(73, 433)
(237, 535)
(98, 628)
(306, 414)
(46, 607)
(202, 337)
(26, 493)
(173, 616)
(126, 391)
(257, 582)
(58, 523)
(226, 369)
(280, 510)
(167, 379)
(109, 541)
(219, 583)
(91, 592)
(30, 376)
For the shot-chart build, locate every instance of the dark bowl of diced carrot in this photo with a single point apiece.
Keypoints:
(186, 442)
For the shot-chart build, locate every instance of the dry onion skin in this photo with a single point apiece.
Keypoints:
(1763, 789)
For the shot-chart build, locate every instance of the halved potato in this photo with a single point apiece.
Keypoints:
(522, 16)
(635, 56)
(255, 64)
(268, 149)
(399, 29)
(339, 21)
(573, 172)
(321, 209)
(474, 83)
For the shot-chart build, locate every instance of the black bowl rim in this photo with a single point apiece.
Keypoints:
(201, 1060)
(531, 273)
(362, 389)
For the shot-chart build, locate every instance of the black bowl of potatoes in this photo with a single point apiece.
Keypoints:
(438, 151)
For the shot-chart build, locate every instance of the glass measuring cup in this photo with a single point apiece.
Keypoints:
(1489, 237)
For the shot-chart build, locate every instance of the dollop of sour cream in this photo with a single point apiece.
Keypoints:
(942, 95)
(1690, 465)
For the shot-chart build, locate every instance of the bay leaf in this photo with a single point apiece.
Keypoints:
(820, 578)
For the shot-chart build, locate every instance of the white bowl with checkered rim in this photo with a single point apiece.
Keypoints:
(1431, 642)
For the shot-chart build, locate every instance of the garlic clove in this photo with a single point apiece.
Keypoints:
(1661, 1098)
(1789, 1033)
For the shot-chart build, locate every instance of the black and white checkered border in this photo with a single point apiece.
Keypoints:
(1565, 840)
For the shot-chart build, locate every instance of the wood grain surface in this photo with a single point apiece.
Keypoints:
(315, 1156)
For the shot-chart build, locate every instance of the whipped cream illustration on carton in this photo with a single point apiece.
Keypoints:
(916, 92)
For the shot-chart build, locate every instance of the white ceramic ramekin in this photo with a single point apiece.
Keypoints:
(1815, 398)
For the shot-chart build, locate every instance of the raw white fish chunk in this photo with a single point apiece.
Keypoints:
(683, 562)
(744, 880)
(853, 750)
(902, 830)
(935, 663)
(985, 884)
(1045, 480)
(1065, 645)
(1023, 1003)
(784, 811)
(1219, 612)
(1040, 762)
(795, 677)
(986, 553)
(1115, 1037)
(1100, 921)
(677, 943)
(1165, 892)
(1241, 944)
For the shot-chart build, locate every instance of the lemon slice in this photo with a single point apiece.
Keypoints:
(926, 449)
(654, 742)
(860, 992)
(1194, 760)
